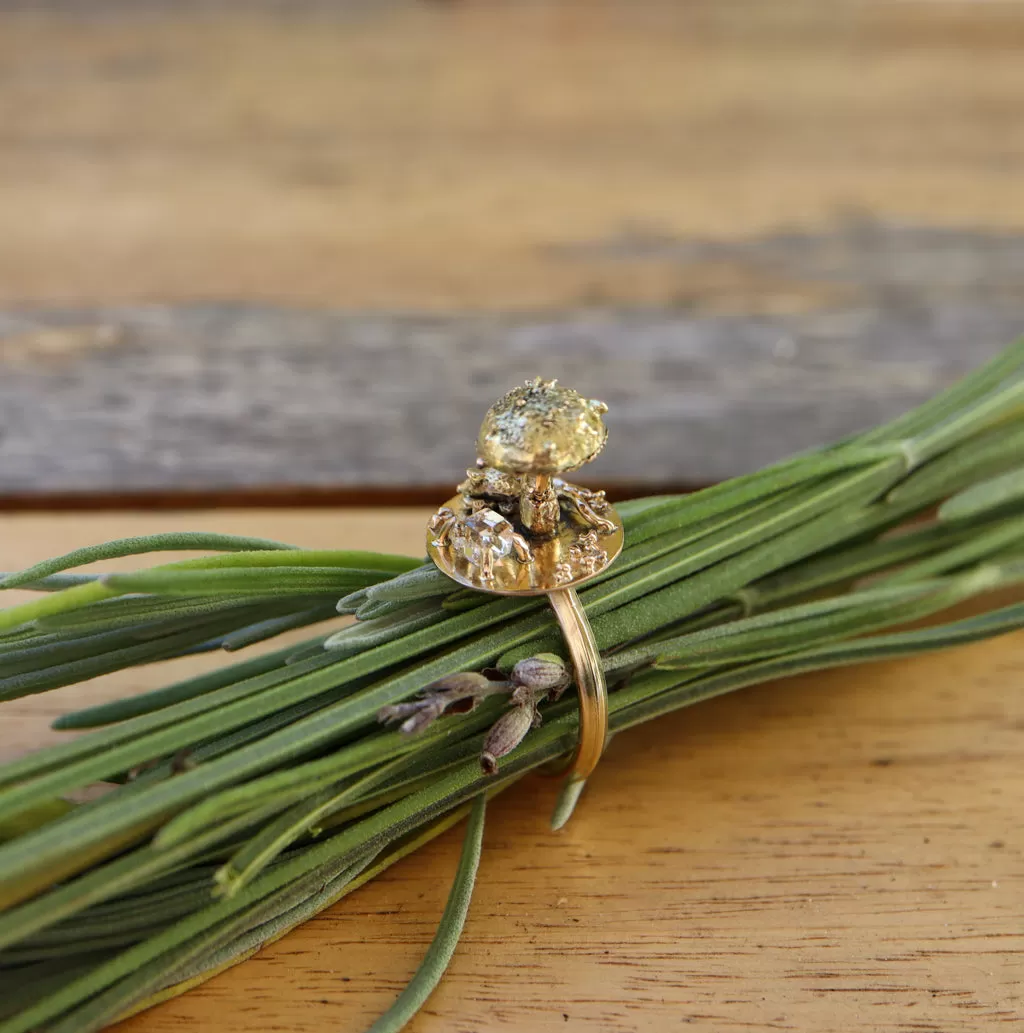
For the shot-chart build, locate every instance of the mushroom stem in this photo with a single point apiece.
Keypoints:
(539, 508)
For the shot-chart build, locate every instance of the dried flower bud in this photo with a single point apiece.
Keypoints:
(396, 711)
(505, 735)
(544, 672)
(414, 716)
(455, 693)
(461, 685)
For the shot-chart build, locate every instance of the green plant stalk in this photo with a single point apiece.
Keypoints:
(208, 964)
(751, 580)
(1003, 490)
(654, 695)
(179, 541)
(440, 952)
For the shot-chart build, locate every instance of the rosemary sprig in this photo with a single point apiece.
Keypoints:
(246, 799)
(440, 952)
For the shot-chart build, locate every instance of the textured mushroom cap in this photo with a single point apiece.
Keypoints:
(542, 429)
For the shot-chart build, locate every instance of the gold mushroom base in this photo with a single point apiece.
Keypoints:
(573, 556)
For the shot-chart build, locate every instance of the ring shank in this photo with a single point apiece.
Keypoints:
(590, 681)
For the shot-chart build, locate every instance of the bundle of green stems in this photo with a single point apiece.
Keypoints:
(242, 801)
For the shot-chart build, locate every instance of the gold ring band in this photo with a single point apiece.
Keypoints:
(590, 681)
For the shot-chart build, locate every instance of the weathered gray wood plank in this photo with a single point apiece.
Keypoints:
(133, 398)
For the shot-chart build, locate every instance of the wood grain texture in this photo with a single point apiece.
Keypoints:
(837, 853)
(214, 398)
(305, 243)
(451, 156)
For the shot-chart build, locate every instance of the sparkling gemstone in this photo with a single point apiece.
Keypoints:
(483, 533)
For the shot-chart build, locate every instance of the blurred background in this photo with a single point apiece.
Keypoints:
(292, 251)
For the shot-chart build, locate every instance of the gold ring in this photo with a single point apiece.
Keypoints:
(516, 528)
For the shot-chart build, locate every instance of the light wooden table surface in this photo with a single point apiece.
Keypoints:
(830, 854)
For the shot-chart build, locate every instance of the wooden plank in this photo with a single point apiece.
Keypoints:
(263, 244)
(835, 852)
(159, 398)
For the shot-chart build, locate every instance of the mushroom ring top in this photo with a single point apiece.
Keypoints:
(516, 527)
